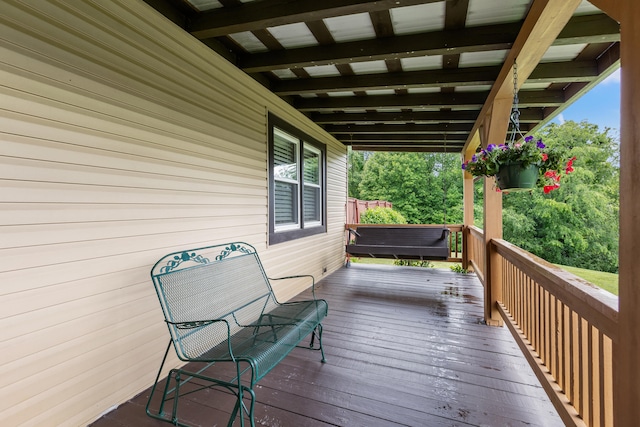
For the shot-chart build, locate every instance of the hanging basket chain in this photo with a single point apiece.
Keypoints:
(515, 115)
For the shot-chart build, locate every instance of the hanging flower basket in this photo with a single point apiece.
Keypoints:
(521, 166)
(515, 177)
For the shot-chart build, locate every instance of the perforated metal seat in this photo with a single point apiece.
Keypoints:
(220, 307)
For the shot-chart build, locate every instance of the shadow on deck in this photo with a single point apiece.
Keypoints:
(405, 346)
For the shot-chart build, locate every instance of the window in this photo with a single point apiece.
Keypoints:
(297, 196)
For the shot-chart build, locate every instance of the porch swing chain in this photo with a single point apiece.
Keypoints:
(444, 188)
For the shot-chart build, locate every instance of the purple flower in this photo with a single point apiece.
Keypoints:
(540, 145)
(490, 147)
(474, 158)
(528, 138)
(464, 166)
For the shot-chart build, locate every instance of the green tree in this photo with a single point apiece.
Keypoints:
(356, 161)
(416, 184)
(577, 224)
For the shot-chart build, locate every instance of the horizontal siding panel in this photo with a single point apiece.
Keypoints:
(25, 236)
(26, 358)
(61, 291)
(71, 384)
(12, 214)
(53, 172)
(18, 258)
(123, 139)
(26, 191)
(99, 70)
(47, 120)
(39, 275)
(73, 311)
(201, 164)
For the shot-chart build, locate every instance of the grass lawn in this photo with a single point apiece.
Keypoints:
(607, 281)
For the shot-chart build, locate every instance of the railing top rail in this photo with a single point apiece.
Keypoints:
(595, 305)
(475, 230)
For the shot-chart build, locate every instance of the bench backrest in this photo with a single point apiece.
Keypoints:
(400, 236)
(215, 282)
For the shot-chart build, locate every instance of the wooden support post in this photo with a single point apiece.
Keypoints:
(494, 132)
(468, 203)
(626, 351)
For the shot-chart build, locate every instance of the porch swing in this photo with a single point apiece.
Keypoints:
(398, 241)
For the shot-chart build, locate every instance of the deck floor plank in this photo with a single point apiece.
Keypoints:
(405, 347)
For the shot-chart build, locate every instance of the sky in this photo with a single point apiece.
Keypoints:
(601, 105)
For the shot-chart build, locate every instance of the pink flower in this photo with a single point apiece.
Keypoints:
(569, 167)
(545, 157)
(549, 188)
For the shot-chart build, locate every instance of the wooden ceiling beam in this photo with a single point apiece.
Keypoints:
(544, 22)
(272, 13)
(552, 72)
(610, 7)
(411, 128)
(607, 63)
(377, 138)
(403, 80)
(586, 29)
(411, 148)
(564, 72)
(476, 39)
(426, 101)
(402, 117)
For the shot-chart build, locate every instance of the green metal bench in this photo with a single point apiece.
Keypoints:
(220, 307)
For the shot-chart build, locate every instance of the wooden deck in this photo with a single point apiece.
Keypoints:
(405, 346)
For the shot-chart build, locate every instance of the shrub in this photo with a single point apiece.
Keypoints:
(457, 268)
(382, 215)
(413, 263)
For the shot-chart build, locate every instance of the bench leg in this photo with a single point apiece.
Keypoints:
(240, 408)
(153, 389)
(318, 332)
(172, 391)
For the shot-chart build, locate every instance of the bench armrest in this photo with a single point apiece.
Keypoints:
(194, 324)
(313, 281)
(445, 233)
(351, 230)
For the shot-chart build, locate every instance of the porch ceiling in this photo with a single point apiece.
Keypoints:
(403, 75)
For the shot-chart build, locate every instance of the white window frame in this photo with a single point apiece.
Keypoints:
(285, 232)
(296, 224)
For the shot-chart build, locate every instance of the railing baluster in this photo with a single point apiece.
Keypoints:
(588, 377)
(607, 382)
(569, 326)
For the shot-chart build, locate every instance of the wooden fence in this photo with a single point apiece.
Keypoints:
(355, 208)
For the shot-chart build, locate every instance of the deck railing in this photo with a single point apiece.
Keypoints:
(475, 247)
(566, 328)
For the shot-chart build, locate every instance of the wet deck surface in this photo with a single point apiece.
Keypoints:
(405, 347)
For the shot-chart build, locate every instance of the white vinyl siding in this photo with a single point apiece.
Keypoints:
(122, 138)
